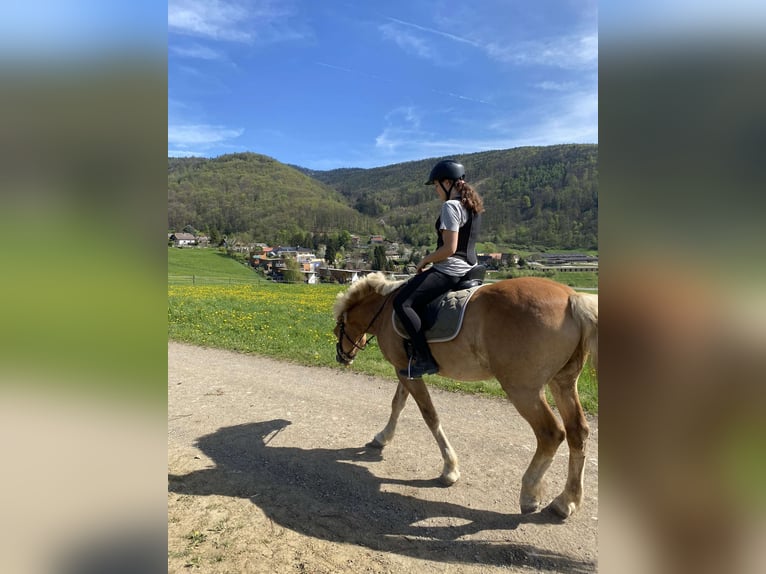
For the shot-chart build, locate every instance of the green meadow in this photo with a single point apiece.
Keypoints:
(229, 306)
(190, 265)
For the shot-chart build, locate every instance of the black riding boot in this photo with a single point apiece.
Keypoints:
(421, 361)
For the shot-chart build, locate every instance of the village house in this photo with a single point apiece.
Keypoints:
(182, 239)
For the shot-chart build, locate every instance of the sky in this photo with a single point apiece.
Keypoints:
(326, 84)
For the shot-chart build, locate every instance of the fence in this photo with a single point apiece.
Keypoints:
(206, 280)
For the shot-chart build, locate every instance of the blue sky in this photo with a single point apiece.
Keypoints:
(329, 83)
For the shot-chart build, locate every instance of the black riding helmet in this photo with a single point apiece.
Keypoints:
(446, 169)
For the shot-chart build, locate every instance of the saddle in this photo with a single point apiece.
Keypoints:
(473, 278)
(443, 316)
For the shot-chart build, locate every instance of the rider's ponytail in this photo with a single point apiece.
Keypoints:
(470, 198)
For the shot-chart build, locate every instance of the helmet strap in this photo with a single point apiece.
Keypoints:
(448, 191)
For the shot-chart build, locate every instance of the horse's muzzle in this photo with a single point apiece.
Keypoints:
(341, 356)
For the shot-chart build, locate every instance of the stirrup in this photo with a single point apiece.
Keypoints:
(416, 370)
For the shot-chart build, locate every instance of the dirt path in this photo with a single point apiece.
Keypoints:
(268, 473)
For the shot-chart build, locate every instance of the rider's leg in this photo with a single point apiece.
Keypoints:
(409, 303)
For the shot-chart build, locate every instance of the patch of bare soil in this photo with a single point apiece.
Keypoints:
(268, 472)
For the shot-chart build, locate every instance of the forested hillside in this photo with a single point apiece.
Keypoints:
(255, 197)
(534, 196)
(541, 196)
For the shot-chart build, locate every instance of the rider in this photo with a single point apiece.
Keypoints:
(457, 229)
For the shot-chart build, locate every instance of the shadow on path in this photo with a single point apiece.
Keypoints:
(323, 494)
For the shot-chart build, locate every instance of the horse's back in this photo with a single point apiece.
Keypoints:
(525, 320)
(535, 299)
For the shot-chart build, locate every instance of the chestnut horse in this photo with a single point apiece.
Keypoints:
(525, 332)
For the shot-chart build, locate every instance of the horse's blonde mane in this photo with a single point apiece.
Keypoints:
(373, 283)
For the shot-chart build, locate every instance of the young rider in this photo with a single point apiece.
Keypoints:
(457, 229)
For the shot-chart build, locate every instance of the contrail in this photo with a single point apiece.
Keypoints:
(458, 96)
(437, 32)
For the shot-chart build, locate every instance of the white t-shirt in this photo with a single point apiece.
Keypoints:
(453, 216)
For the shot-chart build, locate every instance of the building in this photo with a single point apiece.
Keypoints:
(182, 239)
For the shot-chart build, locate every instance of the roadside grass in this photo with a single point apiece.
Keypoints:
(294, 322)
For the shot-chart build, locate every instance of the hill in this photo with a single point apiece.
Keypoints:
(545, 196)
(253, 194)
(534, 196)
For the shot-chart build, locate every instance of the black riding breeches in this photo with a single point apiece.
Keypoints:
(413, 298)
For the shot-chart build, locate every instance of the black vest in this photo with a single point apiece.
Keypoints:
(466, 237)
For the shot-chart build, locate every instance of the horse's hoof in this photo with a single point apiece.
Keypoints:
(449, 478)
(375, 443)
(528, 506)
(562, 508)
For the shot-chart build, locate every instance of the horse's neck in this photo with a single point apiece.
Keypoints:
(376, 305)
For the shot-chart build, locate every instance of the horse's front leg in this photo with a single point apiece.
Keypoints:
(417, 388)
(397, 404)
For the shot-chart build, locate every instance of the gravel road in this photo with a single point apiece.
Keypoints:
(268, 472)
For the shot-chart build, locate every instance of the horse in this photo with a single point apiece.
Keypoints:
(526, 332)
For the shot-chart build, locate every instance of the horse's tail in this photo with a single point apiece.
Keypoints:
(584, 308)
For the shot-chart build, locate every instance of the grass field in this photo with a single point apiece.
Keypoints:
(191, 265)
(576, 279)
(290, 322)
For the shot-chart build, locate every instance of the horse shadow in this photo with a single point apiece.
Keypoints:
(322, 493)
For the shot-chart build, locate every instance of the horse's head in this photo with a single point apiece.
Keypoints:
(350, 340)
(355, 312)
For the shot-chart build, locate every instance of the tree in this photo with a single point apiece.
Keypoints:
(526, 203)
(379, 260)
(344, 238)
(330, 250)
(292, 272)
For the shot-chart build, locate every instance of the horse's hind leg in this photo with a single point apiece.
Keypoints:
(564, 390)
(450, 472)
(397, 404)
(534, 408)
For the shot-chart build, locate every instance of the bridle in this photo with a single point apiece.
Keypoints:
(342, 356)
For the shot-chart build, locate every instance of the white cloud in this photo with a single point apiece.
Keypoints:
(411, 38)
(409, 42)
(234, 21)
(185, 153)
(402, 125)
(569, 52)
(401, 144)
(197, 51)
(211, 18)
(555, 86)
(403, 138)
(569, 118)
(564, 115)
(575, 121)
(408, 114)
(200, 136)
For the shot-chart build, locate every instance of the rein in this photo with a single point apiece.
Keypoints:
(342, 355)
